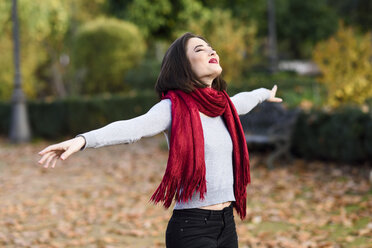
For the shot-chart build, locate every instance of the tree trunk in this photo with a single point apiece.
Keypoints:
(272, 36)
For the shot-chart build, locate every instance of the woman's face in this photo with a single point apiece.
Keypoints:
(204, 61)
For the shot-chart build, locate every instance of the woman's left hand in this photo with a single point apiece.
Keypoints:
(272, 95)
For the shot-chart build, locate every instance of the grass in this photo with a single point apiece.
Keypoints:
(352, 208)
(339, 232)
(272, 226)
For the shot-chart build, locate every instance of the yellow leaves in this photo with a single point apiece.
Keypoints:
(346, 66)
(118, 46)
(232, 40)
(43, 19)
(5, 10)
(39, 21)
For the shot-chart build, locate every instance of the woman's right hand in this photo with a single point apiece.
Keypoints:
(63, 150)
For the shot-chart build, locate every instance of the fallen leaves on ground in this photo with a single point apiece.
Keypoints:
(100, 198)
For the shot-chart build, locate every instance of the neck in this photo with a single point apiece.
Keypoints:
(208, 81)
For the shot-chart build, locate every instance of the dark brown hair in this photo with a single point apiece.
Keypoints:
(176, 72)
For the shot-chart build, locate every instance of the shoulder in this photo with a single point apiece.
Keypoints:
(162, 108)
(165, 104)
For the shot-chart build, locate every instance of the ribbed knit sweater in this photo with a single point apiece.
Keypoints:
(217, 142)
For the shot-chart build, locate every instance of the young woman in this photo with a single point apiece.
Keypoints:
(208, 165)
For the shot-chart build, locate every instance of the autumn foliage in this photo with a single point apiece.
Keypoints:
(233, 42)
(100, 198)
(346, 66)
(118, 46)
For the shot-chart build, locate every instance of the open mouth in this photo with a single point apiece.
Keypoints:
(213, 61)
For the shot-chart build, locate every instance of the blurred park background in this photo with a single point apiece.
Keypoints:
(86, 63)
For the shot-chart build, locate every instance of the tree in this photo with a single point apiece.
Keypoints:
(354, 12)
(297, 35)
(105, 49)
(233, 41)
(300, 24)
(42, 26)
(46, 31)
(345, 62)
(156, 21)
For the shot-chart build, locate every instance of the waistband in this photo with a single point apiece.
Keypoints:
(203, 213)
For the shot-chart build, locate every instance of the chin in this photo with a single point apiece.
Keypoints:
(218, 72)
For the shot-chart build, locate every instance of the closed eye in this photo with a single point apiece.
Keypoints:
(198, 49)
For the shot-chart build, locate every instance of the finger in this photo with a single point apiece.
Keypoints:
(51, 148)
(274, 89)
(55, 161)
(275, 99)
(67, 153)
(45, 157)
(45, 150)
(49, 159)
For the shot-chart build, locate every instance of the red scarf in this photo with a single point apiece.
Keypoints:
(185, 172)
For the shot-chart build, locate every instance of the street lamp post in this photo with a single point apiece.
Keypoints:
(19, 127)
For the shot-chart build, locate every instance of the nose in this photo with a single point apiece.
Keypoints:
(212, 52)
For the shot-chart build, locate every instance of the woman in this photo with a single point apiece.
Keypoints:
(208, 165)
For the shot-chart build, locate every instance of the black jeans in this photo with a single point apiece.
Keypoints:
(197, 227)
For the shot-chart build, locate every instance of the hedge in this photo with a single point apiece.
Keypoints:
(344, 135)
(70, 116)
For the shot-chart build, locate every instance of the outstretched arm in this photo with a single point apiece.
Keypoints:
(156, 120)
(246, 101)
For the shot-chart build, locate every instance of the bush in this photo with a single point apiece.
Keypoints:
(71, 116)
(5, 116)
(105, 49)
(144, 75)
(343, 135)
(345, 61)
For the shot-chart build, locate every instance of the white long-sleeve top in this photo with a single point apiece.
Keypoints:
(217, 142)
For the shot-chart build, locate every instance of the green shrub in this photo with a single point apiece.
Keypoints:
(368, 139)
(4, 117)
(338, 136)
(104, 51)
(144, 75)
(48, 119)
(52, 120)
(91, 113)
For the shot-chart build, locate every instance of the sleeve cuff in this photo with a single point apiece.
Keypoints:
(86, 141)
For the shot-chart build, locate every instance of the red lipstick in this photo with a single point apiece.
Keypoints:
(213, 61)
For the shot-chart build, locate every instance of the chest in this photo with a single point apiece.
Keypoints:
(216, 135)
